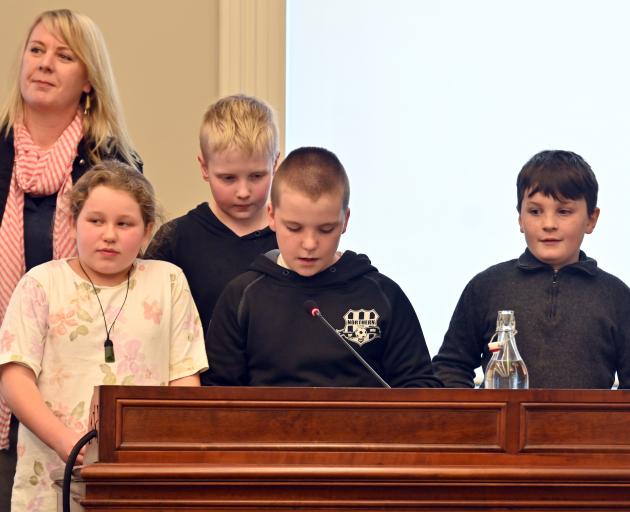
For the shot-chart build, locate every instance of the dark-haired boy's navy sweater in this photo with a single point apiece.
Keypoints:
(573, 324)
(261, 334)
(209, 253)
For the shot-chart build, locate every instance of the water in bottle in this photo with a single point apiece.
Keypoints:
(506, 369)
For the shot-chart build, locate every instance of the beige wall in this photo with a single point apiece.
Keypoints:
(168, 62)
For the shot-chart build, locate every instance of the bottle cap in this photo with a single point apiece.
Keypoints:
(506, 321)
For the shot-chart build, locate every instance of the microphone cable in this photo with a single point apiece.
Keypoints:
(67, 474)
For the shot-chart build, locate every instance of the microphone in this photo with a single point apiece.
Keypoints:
(311, 308)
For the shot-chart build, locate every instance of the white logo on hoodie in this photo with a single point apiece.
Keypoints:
(361, 326)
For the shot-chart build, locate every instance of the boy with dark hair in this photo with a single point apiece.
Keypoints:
(572, 318)
(218, 239)
(261, 335)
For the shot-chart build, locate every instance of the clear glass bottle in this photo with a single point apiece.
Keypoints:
(506, 369)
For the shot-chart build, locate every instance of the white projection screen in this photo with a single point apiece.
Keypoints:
(434, 106)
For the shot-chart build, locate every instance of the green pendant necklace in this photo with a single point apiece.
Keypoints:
(108, 345)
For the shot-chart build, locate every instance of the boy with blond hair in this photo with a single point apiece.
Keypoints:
(263, 332)
(573, 319)
(217, 240)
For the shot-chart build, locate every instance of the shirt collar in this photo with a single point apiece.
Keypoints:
(527, 261)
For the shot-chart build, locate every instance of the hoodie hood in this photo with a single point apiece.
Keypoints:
(350, 266)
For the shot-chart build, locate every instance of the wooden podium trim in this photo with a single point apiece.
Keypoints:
(229, 449)
(560, 427)
(231, 426)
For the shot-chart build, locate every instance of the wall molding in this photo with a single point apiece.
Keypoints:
(252, 52)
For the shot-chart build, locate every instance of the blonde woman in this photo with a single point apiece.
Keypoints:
(61, 116)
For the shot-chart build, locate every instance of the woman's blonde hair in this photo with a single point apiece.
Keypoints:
(104, 126)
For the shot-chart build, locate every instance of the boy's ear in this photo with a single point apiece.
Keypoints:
(271, 217)
(592, 221)
(520, 223)
(204, 167)
(345, 222)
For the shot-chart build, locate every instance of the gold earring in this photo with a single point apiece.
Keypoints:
(88, 105)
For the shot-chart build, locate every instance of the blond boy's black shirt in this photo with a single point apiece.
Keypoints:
(209, 253)
(573, 324)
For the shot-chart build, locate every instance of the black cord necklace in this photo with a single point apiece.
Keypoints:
(108, 345)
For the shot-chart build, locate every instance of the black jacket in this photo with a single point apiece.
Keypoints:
(573, 325)
(261, 334)
(209, 253)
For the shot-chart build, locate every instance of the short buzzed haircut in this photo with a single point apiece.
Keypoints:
(313, 172)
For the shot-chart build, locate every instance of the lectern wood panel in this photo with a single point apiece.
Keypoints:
(357, 449)
(573, 426)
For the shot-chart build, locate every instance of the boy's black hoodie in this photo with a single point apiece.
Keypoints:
(262, 335)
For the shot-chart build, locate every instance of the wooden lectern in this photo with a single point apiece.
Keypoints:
(307, 449)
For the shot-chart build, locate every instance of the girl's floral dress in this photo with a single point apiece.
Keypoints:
(54, 326)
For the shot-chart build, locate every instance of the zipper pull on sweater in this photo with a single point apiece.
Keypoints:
(554, 294)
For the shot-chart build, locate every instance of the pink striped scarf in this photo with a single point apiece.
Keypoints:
(40, 173)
